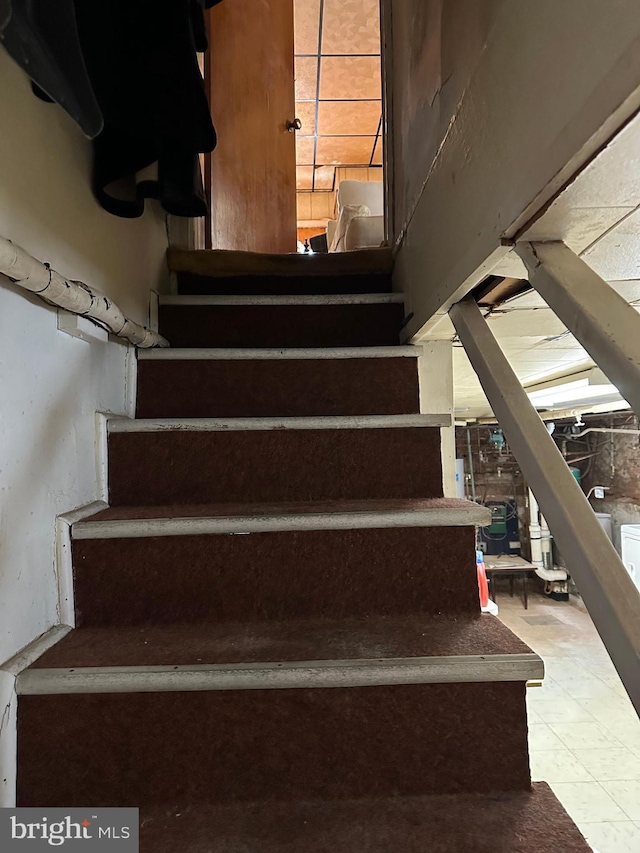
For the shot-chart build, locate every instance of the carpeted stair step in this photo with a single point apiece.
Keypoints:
(238, 383)
(221, 721)
(510, 822)
(248, 273)
(114, 749)
(300, 561)
(415, 648)
(258, 460)
(285, 321)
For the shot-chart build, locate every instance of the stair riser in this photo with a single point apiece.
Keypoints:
(277, 388)
(275, 576)
(256, 285)
(190, 467)
(142, 749)
(281, 326)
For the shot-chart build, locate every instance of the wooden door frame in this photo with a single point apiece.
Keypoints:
(386, 58)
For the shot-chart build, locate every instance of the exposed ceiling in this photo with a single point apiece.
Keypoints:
(338, 89)
(598, 216)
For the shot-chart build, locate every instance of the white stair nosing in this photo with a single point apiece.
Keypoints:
(282, 675)
(120, 424)
(287, 299)
(225, 525)
(30, 653)
(293, 353)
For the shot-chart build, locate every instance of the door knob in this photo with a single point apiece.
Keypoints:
(294, 125)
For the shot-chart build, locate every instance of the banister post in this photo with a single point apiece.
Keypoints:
(601, 320)
(611, 597)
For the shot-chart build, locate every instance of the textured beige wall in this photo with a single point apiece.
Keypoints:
(52, 384)
(438, 44)
(46, 203)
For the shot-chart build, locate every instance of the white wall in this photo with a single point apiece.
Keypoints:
(51, 384)
(496, 104)
(46, 203)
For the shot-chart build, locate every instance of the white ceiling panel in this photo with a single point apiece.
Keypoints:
(511, 267)
(617, 255)
(578, 227)
(528, 300)
(513, 322)
(612, 179)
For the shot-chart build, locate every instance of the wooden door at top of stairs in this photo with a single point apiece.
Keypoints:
(250, 78)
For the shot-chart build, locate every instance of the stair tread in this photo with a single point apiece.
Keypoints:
(511, 822)
(243, 510)
(229, 263)
(280, 353)
(118, 423)
(375, 638)
(276, 300)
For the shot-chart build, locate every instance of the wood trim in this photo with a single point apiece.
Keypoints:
(285, 675)
(388, 157)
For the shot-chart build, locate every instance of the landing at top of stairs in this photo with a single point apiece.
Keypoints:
(223, 272)
(218, 262)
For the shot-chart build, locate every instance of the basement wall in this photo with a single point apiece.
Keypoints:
(494, 105)
(52, 384)
(617, 466)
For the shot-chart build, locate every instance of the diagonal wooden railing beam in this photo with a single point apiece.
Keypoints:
(609, 593)
(601, 320)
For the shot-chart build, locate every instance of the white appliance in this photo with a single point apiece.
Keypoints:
(605, 522)
(630, 537)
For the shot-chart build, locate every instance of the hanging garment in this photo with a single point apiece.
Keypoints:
(127, 72)
(141, 57)
(42, 38)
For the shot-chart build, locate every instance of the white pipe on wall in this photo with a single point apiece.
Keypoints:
(74, 296)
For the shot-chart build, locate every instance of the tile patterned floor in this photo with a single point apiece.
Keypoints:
(584, 735)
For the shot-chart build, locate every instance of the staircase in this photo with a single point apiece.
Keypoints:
(279, 645)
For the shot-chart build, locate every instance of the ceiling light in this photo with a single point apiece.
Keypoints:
(578, 391)
(562, 394)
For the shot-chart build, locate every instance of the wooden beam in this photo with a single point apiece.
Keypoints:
(602, 321)
(611, 597)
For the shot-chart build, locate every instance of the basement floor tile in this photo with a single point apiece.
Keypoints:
(583, 704)
(584, 735)
(627, 795)
(549, 690)
(609, 712)
(542, 738)
(590, 687)
(558, 765)
(588, 802)
(609, 764)
(562, 711)
(619, 837)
